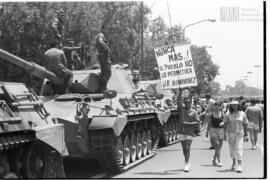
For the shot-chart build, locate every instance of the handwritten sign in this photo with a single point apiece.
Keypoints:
(175, 66)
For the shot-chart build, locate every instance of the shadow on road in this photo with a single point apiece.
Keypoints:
(201, 149)
(165, 150)
(168, 172)
(225, 170)
(207, 165)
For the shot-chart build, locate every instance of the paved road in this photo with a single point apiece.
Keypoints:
(169, 162)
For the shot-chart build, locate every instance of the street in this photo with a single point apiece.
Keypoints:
(169, 162)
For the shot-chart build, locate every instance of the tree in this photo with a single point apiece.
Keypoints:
(206, 70)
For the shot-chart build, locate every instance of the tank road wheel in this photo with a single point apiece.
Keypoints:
(35, 160)
(10, 175)
(166, 137)
(126, 151)
(139, 146)
(149, 142)
(170, 128)
(133, 147)
(16, 162)
(112, 162)
(144, 144)
(120, 151)
(177, 130)
(4, 165)
(174, 132)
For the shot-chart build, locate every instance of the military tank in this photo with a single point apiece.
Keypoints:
(31, 144)
(170, 127)
(119, 127)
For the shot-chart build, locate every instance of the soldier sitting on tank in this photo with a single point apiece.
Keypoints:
(74, 61)
(57, 26)
(104, 60)
(56, 62)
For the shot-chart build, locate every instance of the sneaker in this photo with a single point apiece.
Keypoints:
(233, 167)
(212, 147)
(239, 169)
(254, 147)
(186, 167)
(214, 162)
(219, 164)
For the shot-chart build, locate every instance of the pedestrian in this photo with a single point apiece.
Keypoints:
(103, 56)
(235, 127)
(188, 119)
(215, 128)
(208, 111)
(56, 62)
(255, 116)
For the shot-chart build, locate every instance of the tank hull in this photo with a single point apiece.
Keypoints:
(25, 128)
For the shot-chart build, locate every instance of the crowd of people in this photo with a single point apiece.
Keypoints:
(230, 120)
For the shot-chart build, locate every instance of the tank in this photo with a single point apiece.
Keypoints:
(31, 144)
(170, 127)
(120, 127)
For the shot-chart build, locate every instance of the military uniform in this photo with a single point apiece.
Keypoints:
(57, 28)
(55, 61)
(104, 60)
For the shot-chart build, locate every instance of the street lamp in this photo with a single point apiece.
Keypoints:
(210, 20)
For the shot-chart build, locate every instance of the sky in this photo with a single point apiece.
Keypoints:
(235, 46)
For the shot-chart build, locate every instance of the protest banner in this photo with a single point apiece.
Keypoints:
(175, 66)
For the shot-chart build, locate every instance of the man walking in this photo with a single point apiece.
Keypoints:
(188, 120)
(255, 116)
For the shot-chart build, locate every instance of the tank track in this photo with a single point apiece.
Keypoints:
(105, 142)
(169, 132)
(13, 149)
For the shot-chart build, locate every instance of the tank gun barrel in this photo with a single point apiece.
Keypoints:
(31, 67)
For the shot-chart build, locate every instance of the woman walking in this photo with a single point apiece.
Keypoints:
(188, 119)
(235, 125)
(215, 127)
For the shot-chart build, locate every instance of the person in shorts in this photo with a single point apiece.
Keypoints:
(255, 116)
(188, 120)
(215, 127)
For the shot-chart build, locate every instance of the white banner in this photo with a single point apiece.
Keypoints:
(175, 66)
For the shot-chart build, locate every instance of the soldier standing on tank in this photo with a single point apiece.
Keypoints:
(104, 60)
(58, 26)
(56, 62)
(74, 61)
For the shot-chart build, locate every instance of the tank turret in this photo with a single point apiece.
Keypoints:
(31, 67)
(83, 81)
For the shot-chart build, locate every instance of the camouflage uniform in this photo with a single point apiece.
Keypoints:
(104, 61)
